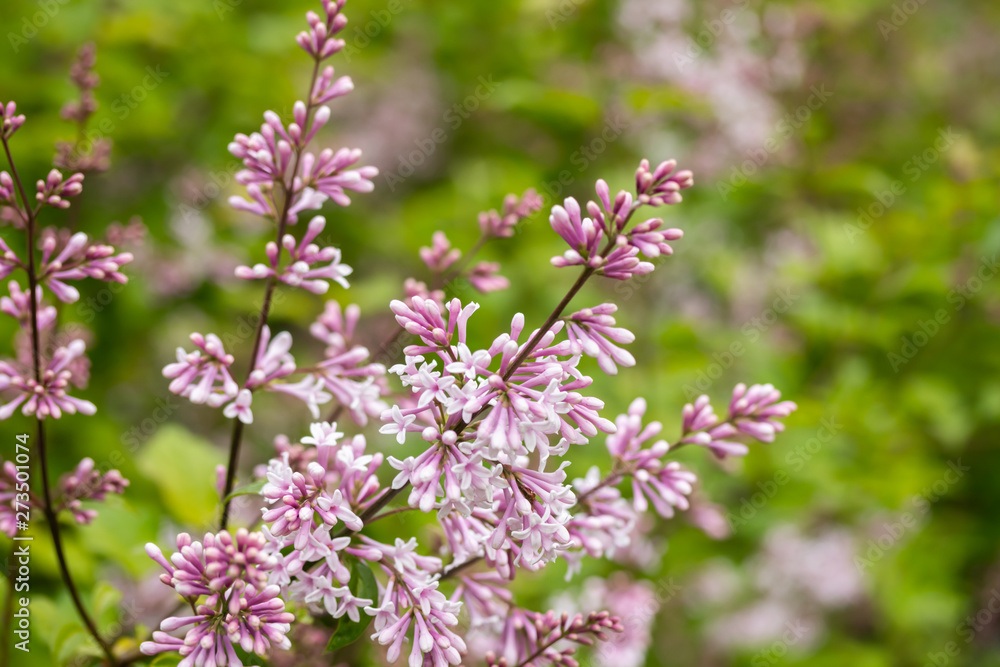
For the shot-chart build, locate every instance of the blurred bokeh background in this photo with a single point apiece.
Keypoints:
(842, 243)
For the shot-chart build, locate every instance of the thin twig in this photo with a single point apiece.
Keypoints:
(265, 310)
(47, 509)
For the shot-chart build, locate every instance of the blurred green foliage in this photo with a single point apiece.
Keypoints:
(890, 330)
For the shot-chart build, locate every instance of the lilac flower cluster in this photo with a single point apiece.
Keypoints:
(88, 483)
(46, 360)
(448, 264)
(225, 579)
(283, 178)
(38, 384)
(494, 421)
(94, 153)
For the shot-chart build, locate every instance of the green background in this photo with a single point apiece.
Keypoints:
(859, 290)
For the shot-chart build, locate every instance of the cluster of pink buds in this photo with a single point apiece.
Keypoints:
(10, 120)
(18, 306)
(203, 376)
(600, 242)
(78, 258)
(55, 190)
(533, 638)
(448, 264)
(515, 209)
(593, 332)
(345, 373)
(753, 412)
(47, 397)
(410, 605)
(87, 483)
(225, 579)
(310, 267)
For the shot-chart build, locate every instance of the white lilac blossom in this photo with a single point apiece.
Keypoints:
(225, 578)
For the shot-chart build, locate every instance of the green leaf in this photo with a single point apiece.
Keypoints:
(182, 466)
(362, 585)
(251, 489)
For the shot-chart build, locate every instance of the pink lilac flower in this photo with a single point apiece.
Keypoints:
(515, 209)
(9, 261)
(753, 412)
(11, 120)
(295, 497)
(47, 398)
(636, 605)
(328, 88)
(309, 266)
(203, 376)
(55, 190)
(318, 41)
(603, 524)
(87, 483)
(594, 333)
(356, 385)
(18, 306)
(546, 639)
(228, 575)
(411, 601)
(440, 255)
(484, 277)
(664, 484)
(240, 408)
(662, 185)
(78, 259)
(600, 241)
